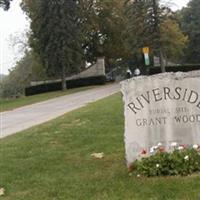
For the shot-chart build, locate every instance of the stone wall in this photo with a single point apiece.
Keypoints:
(98, 69)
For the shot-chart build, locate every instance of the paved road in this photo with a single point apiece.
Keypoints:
(28, 116)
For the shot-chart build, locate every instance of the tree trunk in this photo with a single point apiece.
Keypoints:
(162, 62)
(158, 34)
(64, 85)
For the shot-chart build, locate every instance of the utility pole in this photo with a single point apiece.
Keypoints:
(158, 34)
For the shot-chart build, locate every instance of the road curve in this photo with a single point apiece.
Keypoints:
(28, 116)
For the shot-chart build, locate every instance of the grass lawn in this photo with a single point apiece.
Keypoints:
(52, 161)
(10, 104)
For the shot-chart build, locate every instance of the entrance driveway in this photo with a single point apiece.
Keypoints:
(28, 116)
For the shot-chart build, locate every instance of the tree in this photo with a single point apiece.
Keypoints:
(135, 35)
(19, 77)
(173, 40)
(145, 22)
(190, 22)
(103, 24)
(28, 69)
(146, 27)
(5, 4)
(56, 35)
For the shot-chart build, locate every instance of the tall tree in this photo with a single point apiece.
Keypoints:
(190, 22)
(147, 20)
(173, 40)
(28, 68)
(104, 22)
(56, 35)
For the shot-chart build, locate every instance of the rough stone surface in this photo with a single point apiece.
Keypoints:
(98, 69)
(163, 109)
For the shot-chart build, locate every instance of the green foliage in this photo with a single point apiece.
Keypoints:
(53, 161)
(56, 35)
(151, 24)
(29, 68)
(74, 83)
(144, 23)
(173, 40)
(13, 85)
(190, 22)
(103, 24)
(179, 162)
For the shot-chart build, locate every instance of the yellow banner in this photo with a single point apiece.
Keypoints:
(145, 50)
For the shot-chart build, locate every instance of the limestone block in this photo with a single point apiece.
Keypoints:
(161, 110)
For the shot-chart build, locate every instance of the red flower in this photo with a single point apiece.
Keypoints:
(144, 152)
(161, 149)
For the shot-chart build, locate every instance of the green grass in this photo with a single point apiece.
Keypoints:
(52, 161)
(10, 104)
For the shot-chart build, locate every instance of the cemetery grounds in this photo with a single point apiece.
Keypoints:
(53, 161)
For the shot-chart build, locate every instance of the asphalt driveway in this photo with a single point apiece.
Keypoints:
(28, 116)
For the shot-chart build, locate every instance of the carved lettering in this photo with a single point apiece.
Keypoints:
(165, 94)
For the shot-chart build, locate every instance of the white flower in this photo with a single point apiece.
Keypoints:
(195, 146)
(157, 165)
(174, 144)
(180, 148)
(138, 175)
(159, 144)
(186, 157)
(152, 149)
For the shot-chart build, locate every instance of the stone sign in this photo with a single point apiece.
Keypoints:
(161, 110)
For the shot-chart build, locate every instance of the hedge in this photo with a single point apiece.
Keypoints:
(50, 87)
(182, 68)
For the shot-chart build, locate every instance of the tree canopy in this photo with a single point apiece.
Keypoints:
(190, 22)
(103, 25)
(66, 33)
(173, 40)
(28, 69)
(56, 35)
(151, 24)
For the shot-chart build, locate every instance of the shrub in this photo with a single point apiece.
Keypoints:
(38, 89)
(181, 68)
(178, 162)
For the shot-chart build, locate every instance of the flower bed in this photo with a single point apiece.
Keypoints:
(181, 160)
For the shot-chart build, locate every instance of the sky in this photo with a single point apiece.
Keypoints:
(15, 23)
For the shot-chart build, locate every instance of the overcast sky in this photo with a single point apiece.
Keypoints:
(14, 22)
